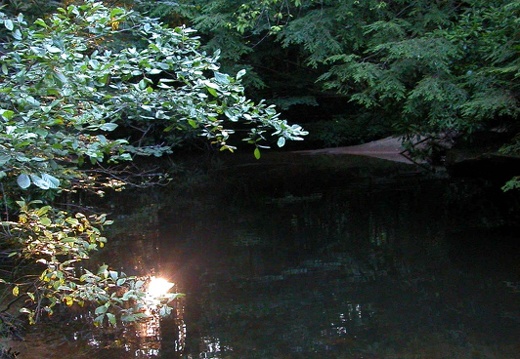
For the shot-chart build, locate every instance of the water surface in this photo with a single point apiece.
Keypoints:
(298, 256)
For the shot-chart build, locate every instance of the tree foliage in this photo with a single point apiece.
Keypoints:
(414, 68)
(81, 90)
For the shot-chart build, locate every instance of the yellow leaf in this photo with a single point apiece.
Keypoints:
(16, 291)
(115, 25)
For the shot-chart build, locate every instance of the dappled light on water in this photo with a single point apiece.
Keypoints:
(158, 287)
(151, 337)
(211, 348)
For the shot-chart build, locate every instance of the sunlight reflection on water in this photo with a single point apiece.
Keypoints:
(318, 264)
(150, 337)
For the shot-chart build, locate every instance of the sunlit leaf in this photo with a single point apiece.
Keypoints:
(240, 74)
(45, 221)
(51, 181)
(53, 49)
(113, 275)
(23, 181)
(221, 78)
(108, 126)
(212, 91)
(39, 182)
(7, 114)
(40, 22)
(193, 123)
(9, 25)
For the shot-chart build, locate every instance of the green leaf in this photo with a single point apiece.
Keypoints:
(240, 74)
(139, 284)
(4, 158)
(111, 318)
(212, 91)
(113, 275)
(257, 153)
(142, 84)
(53, 49)
(72, 221)
(9, 24)
(6, 114)
(23, 181)
(160, 115)
(99, 319)
(116, 11)
(51, 181)
(108, 126)
(211, 85)
(128, 295)
(17, 35)
(221, 78)
(62, 79)
(45, 221)
(39, 182)
(40, 22)
(101, 309)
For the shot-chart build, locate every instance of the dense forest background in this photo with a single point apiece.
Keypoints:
(440, 73)
(354, 71)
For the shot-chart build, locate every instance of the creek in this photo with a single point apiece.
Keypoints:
(318, 256)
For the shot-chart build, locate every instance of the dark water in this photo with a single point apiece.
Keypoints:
(324, 257)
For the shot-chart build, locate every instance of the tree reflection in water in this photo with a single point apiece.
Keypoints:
(148, 339)
(304, 261)
(210, 348)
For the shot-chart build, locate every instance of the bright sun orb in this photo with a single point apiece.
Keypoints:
(158, 287)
